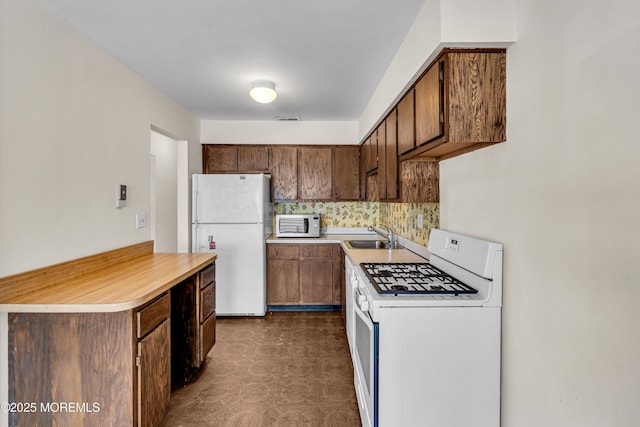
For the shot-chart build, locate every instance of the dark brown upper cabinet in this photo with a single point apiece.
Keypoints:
(328, 172)
(364, 154)
(457, 105)
(346, 164)
(283, 166)
(420, 181)
(314, 173)
(381, 135)
(372, 151)
(253, 158)
(219, 158)
(428, 105)
(460, 103)
(390, 158)
(406, 123)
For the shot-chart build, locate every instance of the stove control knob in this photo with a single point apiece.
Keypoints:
(361, 300)
(364, 305)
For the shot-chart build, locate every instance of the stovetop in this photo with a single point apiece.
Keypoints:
(413, 278)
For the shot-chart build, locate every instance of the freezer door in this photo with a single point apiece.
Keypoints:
(240, 266)
(228, 198)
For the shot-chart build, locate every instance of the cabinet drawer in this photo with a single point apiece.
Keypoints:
(283, 251)
(208, 334)
(207, 276)
(207, 301)
(317, 251)
(152, 315)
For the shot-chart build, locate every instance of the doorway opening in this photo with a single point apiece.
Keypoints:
(168, 222)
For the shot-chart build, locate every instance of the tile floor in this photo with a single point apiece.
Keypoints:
(286, 369)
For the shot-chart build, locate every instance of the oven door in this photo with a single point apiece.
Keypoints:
(365, 364)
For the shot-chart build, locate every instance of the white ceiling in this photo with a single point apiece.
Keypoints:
(325, 56)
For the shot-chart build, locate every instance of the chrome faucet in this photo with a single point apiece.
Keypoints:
(388, 233)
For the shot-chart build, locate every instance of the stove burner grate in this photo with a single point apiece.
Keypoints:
(413, 278)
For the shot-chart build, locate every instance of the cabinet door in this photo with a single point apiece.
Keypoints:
(283, 166)
(316, 281)
(420, 181)
(207, 302)
(253, 158)
(282, 281)
(314, 173)
(346, 174)
(382, 161)
(406, 128)
(364, 153)
(372, 148)
(391, 157)
(207, 317)
(428, 106)
(208, 336)
(476, 95)
(372, 188)
(219, 158)
(154, 376)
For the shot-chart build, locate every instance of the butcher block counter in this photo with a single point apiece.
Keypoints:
(102, 340)
(99, 284)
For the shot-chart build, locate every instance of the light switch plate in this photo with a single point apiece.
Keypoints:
(141, 220)
(419, 220)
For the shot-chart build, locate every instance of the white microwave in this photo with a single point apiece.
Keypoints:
(302, 225)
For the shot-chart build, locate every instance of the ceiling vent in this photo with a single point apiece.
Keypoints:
(287, 118)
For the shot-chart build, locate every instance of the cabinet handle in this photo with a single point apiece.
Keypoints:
(138, 360)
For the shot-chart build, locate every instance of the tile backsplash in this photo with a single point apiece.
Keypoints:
(400, 217)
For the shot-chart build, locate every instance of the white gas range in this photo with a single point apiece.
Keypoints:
(425, 337)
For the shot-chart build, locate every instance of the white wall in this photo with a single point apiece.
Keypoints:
(273, 132)
(73, 123)
(563, 195)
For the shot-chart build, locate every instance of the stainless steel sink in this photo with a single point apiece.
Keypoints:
(368, 244)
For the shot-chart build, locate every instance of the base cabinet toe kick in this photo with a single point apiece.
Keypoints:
(106, 368)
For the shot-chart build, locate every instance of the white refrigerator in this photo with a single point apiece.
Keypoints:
(232, 216)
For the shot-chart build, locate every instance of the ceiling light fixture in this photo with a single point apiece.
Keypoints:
(263, 91)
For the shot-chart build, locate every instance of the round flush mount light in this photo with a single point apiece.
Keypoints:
(263, 91)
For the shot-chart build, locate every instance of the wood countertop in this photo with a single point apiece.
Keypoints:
(108, 282)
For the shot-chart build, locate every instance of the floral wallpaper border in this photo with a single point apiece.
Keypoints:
(400, 217)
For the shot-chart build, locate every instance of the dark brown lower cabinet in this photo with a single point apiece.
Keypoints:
(154, 374)
(316, 281)
(302, 274)
(193, 322)
(283, 282)
(207, 309)
(184, 330)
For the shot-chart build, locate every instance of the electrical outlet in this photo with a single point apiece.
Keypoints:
(141, 220)
(419, 220)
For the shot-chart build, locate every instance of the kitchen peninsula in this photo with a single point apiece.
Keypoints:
(100, 340)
